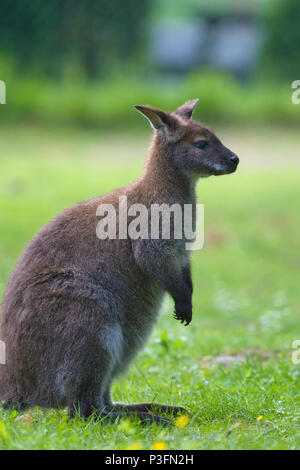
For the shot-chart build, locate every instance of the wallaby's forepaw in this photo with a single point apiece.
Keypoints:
(184, 316)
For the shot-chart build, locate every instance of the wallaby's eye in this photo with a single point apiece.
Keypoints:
(201, 144)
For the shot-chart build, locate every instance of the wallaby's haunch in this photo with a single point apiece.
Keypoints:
(77, 309)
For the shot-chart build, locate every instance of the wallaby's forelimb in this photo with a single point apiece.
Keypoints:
(186, 273)
(175, 281)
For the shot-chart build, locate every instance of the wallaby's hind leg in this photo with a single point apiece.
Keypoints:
(111, 413)
(86, 374)
(150, 408)
(144, 417)
(147, 412)
(89, 405)
(155, 408)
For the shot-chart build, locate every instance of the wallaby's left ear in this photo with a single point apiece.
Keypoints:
(163, 122)
(186, 110)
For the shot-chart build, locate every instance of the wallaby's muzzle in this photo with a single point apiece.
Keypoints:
(233, 162)
(227, 163)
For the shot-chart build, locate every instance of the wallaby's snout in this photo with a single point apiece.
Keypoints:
(227, 162)
(233, 162)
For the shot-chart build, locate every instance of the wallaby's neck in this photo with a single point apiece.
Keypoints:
(161, 178)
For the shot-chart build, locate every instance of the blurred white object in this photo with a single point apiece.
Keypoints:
(236, 45)
(225, 43)
(178, 44)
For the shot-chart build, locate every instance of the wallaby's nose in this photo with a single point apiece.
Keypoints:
(234, 159)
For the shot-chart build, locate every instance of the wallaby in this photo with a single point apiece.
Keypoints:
(77, 308)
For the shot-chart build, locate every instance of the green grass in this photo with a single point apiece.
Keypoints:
(246, 293)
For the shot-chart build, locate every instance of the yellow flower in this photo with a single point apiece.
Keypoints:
(134, 446)
(159, 445)
(182, 421)
(259, 417)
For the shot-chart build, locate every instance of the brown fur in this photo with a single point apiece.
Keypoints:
(77, 309)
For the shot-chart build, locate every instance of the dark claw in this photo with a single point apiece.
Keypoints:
(185, 319)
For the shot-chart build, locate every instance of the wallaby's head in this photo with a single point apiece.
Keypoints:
(191, 148)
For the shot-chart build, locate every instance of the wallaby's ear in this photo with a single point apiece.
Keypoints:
(159, 119)
(186, 110)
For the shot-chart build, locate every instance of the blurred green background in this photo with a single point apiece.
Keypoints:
(87, 62)
(68, 131)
